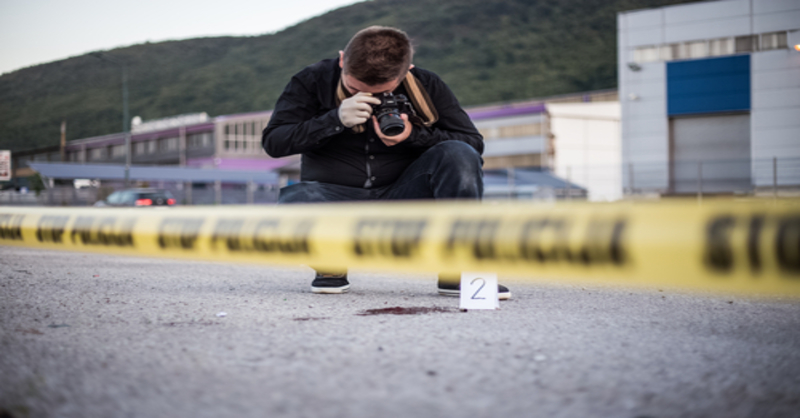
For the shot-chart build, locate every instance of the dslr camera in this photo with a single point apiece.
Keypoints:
(388, 113)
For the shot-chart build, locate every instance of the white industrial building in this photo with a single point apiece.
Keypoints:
(574, 137)
(587, 146)
(710, 97)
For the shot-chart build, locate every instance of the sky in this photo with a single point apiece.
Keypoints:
(39, 31)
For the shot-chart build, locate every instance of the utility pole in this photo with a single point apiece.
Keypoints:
(126, 120)
(63, 140)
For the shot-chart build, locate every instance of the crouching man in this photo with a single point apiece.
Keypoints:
(371, 126)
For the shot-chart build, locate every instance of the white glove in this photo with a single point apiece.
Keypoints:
(356, 110)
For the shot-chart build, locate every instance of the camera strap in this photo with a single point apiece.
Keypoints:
(419, 98)
(426, 113)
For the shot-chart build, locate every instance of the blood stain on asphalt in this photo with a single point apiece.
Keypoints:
(399, 310)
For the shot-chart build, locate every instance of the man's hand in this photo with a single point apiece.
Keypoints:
(356, 110)
(394, 140)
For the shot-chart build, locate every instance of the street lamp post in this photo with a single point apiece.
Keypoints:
(126, 120)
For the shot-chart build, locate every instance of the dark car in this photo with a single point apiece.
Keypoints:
(138, 197)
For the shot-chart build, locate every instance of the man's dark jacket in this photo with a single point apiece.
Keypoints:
(306, 121)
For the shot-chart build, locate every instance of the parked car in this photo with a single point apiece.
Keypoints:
(138, 197)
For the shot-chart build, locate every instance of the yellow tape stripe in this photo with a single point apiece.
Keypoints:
(724, 246)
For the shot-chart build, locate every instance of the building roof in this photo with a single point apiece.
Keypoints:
(506, 111)
(527, 177)
(154, 173)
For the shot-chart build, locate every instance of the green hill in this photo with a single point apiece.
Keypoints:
(486, 50)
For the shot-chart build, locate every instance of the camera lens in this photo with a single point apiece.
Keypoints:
(388, 114)
(391, 124)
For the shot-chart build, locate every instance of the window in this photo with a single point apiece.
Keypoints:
(516, 131)
(669, 52)
(242, 137)
(151, 147)
(681, 51)
(116, 151)
(167, 144)
(774, 40)
(697, 49)
(140, 148)
(722, 46)
(96, 154)
(747, 43)
(199, 140)
(646, 54)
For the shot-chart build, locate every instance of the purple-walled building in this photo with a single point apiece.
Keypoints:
(230, 142)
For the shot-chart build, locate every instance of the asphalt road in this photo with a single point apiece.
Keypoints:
(85, 335)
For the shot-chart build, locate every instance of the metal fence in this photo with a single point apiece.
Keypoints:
(196, 194)
(771, 177)
(757, 177)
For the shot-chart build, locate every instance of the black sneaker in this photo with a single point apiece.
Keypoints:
(453, 288)
(330, 283)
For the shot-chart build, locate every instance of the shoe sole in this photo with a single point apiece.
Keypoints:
(457, 293)
(330, 290)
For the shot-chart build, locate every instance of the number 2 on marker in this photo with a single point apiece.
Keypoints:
(483, 283)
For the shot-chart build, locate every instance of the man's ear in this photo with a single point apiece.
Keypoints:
(341, 59)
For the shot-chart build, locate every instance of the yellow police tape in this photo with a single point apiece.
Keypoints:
(728, 246)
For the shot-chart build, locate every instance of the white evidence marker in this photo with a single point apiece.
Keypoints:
(479, 291)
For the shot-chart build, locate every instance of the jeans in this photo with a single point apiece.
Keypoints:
(448, 170)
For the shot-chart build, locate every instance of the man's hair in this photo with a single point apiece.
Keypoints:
(378, 54)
